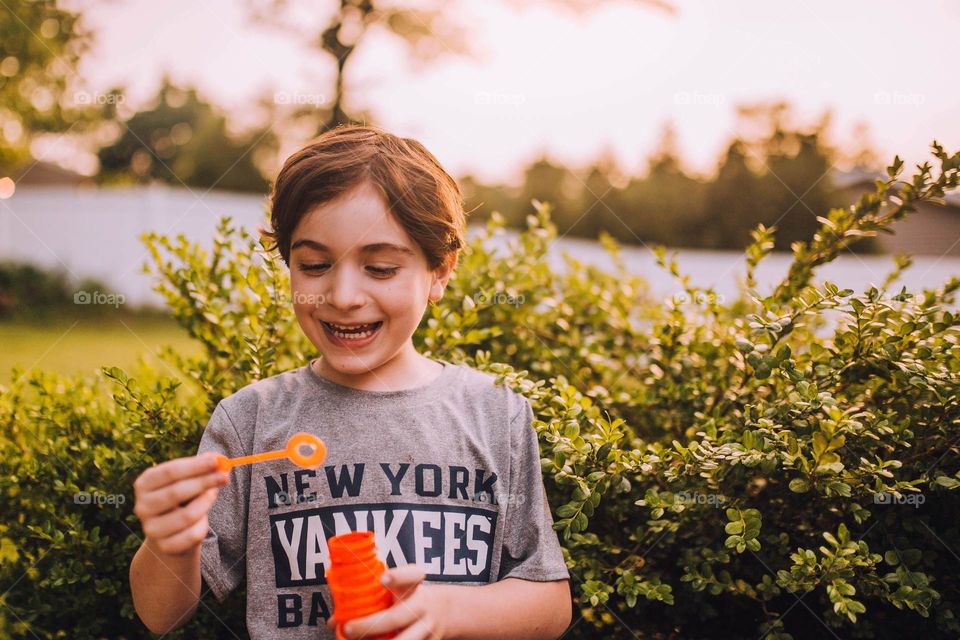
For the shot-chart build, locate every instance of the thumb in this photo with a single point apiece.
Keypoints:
(401, 581)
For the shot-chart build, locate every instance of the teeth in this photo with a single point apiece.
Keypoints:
(348, 327)
(353, 334)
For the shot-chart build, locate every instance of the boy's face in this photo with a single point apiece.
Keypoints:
(353, 264)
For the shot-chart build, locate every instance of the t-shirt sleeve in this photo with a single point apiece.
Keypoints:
(531, 549)
(223, 551)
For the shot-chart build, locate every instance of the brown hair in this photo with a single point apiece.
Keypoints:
(423, 197)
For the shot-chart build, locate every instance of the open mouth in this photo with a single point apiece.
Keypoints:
(352, 331)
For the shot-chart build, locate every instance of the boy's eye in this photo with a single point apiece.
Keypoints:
(381, 272)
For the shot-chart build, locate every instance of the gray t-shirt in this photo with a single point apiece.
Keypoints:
(447, 475)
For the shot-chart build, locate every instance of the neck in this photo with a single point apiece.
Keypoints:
(408, 369)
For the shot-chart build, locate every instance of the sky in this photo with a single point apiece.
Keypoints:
(549, 81)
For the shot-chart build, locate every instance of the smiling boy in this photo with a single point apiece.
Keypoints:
(434, 458)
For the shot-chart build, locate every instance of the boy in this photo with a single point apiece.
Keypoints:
(438, 461)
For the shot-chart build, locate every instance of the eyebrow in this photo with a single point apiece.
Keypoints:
(369, 248)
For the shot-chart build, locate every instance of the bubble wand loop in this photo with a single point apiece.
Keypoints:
(293, 451)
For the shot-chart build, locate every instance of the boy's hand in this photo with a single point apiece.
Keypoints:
(417, 611)
(172, 500)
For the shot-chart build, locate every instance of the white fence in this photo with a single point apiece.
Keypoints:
(95, 233)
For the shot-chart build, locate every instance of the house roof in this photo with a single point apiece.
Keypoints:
(858, 177)
(48, 174)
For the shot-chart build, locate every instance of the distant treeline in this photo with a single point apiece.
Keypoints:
(773, 172)
(783, 178)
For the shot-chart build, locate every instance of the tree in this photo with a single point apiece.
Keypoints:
(40, 45)
(427, 30)
(799, 187)
(732, 201)
(667, 204)
(775, 172)
(599, 207)
(862, 153)
(181, 139)
(552, 183)
(480, 200)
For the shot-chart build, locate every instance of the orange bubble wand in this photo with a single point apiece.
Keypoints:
(354, 579)
(293, 451)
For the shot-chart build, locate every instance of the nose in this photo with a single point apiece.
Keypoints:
(346, 289)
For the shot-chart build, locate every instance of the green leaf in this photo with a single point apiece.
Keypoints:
(734, 527)
(604, 452)
(820, 444)
(567, 510)
(946, 482)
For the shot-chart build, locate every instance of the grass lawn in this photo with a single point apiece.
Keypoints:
(84, 343)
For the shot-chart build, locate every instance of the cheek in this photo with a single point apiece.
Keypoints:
(300, 309)
(300, 281)
(402, 302)
(397, 295)
(304, 294)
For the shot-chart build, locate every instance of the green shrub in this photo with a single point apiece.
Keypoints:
(28, 292)
(70, 455)
(775, 465)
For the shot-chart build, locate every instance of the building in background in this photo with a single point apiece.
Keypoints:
(931, 230)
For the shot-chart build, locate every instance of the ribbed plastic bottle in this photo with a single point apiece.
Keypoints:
(354, 579)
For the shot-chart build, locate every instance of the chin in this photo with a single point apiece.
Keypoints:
(351, 365)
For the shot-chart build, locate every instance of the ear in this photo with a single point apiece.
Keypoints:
(441, 275)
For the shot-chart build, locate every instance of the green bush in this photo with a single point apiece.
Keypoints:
(30, 293)
(774, 465)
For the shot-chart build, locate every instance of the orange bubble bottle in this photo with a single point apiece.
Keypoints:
(354, 579)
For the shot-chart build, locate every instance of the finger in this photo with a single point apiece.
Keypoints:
(331, 622)
(172, 470)
(170, 497)
(398, 616)
(401, 581)
(417, 631)
(181, 519)
(185, 540)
